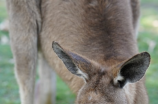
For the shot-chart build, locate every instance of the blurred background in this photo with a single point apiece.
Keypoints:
(147, 41)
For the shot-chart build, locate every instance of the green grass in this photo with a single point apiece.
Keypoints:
(3, 12)
(148, 32)
(152, 2)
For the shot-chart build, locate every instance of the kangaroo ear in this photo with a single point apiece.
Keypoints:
(133, 69)
(75, 64)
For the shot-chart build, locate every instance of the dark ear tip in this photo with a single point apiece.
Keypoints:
(145, 54)
(54, 43)
(56, 46)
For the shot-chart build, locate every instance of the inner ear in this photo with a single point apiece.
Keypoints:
(133, 69)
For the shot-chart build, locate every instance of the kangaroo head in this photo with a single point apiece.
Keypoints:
(103, 85)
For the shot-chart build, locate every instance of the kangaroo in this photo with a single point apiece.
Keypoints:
(95, 40)
(108, 84)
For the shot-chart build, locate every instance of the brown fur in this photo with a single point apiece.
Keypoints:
(101, 30)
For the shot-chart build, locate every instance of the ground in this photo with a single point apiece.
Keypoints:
(147, 41)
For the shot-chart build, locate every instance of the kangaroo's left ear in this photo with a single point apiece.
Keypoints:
(75, 63)
(133, 69)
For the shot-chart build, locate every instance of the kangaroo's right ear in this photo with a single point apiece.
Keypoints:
(133, 69)
(75, 63)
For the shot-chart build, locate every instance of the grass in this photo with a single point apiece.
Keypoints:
(148, 34)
